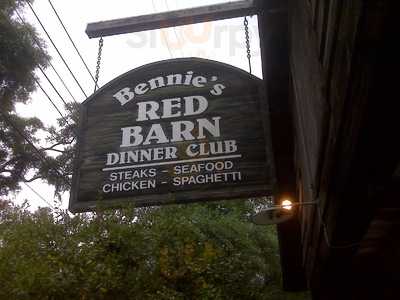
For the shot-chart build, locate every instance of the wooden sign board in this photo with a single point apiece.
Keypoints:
(174, 131)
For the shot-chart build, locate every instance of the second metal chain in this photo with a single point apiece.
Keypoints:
(247, 37)
(96, 77)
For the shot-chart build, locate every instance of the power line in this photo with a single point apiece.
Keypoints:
(72, 42)
(37, 194)
(55, 47)
(48, 97)
(48, 60)
(40, 154)
(21, 133)
(52, 85)
(62, 81)
(54, 105)
(12, 124)
(51, 101)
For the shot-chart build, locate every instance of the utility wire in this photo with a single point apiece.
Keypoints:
(48, 60)
(23, 135)
(12, 124)
(72, 42)
(55, 47)
(54, 105)
(48, 97)
(51, 101)
(62, 81)
(37, 194)
(52, 85)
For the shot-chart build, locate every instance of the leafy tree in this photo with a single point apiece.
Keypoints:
(58, 169)
(19, 57)
(198, 251)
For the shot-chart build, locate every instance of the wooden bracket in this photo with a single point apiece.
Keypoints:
(172, 18)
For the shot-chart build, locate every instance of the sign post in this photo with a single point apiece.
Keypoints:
(174, 131)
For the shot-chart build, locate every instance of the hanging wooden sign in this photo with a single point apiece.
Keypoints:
(174, 131)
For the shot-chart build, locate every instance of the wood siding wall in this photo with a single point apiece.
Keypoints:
(322, 37)
(342, 80)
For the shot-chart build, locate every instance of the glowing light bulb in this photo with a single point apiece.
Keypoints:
(287, 204)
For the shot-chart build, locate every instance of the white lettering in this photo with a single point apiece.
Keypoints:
(112, 159)
(211, 128)
(168, 105)
(156, 82)
(199, 81)
(131, 132)
(156, 133)
(189, 105)
(181, 131)
(141, 88)
(125, 95)
(147, 114)
(217, 89)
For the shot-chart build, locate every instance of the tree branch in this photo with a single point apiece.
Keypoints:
(33, 178)
(3, 166)
(52, 147)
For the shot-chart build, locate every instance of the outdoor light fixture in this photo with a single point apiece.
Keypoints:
(276, 214)
(287, 204)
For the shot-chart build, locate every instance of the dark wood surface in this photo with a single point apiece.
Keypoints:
(273, 27)
(172, 18)
(244, 118)
(344, 66)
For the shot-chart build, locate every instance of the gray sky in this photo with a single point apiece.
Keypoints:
(221, 41)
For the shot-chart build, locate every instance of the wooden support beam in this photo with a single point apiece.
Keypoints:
(172, 18)
(275, 49)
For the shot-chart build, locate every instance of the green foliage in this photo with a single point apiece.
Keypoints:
(19, 57)
(64, 137)
(197, 251)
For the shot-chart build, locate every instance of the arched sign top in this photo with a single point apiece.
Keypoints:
(174, 131)
(165, 63)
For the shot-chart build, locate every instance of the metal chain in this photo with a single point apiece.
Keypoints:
(96, 77)
(247, 37)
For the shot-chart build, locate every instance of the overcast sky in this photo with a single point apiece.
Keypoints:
(221, 40)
